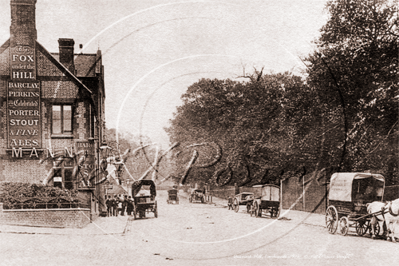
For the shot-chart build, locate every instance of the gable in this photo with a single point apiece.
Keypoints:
(45, 67)
(4, 59)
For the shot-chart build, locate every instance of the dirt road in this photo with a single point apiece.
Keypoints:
(197, 234)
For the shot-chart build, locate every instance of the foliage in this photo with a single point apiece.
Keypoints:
(265, 123)
(343, 117)
(355, 71)
(14, 192)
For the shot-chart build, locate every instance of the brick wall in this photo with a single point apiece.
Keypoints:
(4, 59)
(45, 67)
(59, 89)
(74, 218)
(21, 170)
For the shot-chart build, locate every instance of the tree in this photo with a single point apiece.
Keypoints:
(355, 71)
(263, 124)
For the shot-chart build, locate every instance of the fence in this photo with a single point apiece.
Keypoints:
(44, 203)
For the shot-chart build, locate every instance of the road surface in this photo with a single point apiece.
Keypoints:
(196, 234)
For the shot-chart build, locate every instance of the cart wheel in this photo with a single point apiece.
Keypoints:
(236, 206)
(249, 207)
(331, 219)
(344, 225)
(361, 227)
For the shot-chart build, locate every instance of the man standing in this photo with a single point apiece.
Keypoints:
(129, 206)
(124, 205)
(108, 203)
(115, 205)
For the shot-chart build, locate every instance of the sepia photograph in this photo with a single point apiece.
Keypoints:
(199, 132)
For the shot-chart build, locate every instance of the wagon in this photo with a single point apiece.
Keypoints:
(197, 195)
(267, 202)
(144, 192)
(244, 198)
(348, 195)
(173, 197)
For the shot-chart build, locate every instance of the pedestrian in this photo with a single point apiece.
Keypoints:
(120, 207)
(129, 206)
(115, 205)
(108, 203)
(124, 205)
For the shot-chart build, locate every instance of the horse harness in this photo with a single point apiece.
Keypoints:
(390, 209)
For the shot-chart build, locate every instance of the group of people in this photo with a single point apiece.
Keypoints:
(119, 205)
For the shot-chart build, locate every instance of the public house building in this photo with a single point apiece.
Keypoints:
(51, 108)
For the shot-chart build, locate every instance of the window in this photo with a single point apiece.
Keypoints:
(62, 119)
(63, 175)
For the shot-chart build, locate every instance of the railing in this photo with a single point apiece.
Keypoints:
(44, 203)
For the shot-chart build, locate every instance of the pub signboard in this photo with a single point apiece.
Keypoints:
(23, 101)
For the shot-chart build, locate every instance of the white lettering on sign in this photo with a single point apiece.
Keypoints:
(23, 132)
(84, 144)
(19, 122)
(22, 58)
(24, 142)
(23, 103)
(23, 94)
(17, 153)
(24, 112)
(22, 75)
(34, 152)
(23, 85)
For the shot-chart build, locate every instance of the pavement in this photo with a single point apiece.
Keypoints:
(119, 225)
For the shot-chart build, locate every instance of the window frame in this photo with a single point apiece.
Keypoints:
(62, 120)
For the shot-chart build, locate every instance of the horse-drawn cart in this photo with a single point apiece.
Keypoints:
(244, 198)
(144, 192)
(267, 202)
(348, 197)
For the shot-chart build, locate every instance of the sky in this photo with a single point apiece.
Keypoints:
(154, 49)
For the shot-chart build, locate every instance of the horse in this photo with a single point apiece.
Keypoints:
(387, 212)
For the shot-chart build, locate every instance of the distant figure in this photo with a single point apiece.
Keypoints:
(108, 203)
(124, 205)
(129, 208)
(115, 205)
(230, 203)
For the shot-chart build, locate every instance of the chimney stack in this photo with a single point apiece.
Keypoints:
(66, 53)
(23, 23)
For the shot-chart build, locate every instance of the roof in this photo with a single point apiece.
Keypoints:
(341, 184)
(85, 64)
(351, 176)
(116, 189)
(66, 71)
